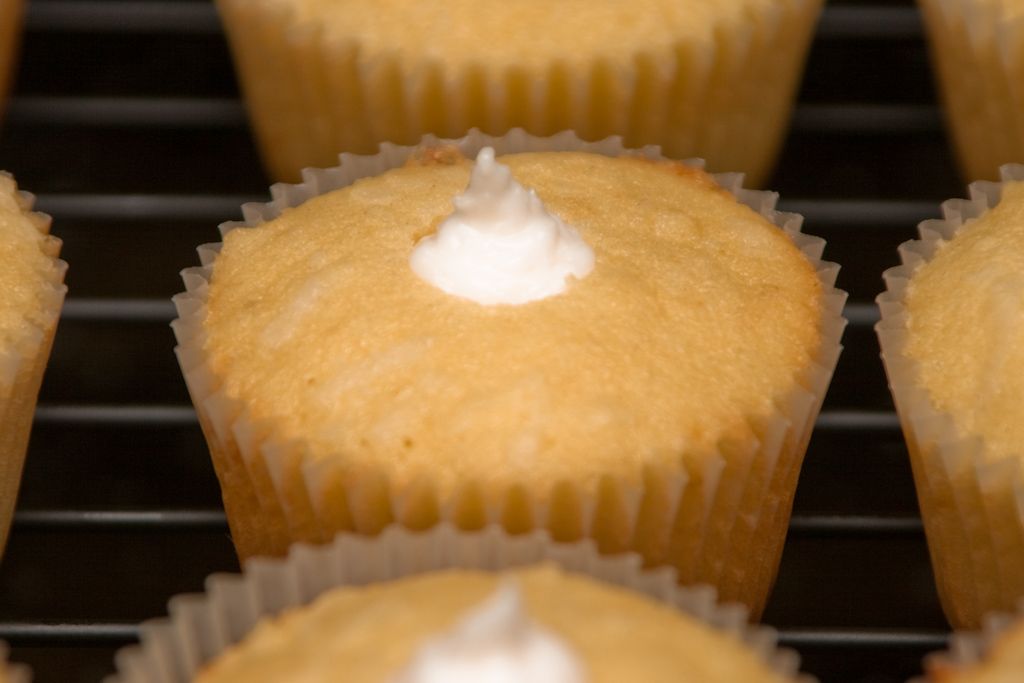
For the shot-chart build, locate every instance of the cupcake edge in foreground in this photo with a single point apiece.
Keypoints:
(966, 470)
(309, 503)
(714, 80)
(363, 585)
(12, 672)
(33, 279)
(994, 654)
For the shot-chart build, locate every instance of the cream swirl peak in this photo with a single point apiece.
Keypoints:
(500, 245)
(495, 643)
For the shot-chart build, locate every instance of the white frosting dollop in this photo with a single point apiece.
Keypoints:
(500, 245)
(496, 643)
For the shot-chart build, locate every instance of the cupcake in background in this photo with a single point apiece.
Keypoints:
(977, 49)
(713, 79)
(450, 606)
(11, 12)
(32, 282)
(952, 339)
(994, 654)
(627, 352)
(12, 673)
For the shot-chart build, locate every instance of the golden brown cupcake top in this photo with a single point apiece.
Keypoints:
(371, 633)
(965, 326)
(698, 315)
(526, 33)
(28, 270)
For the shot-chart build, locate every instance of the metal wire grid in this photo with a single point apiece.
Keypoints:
(94, 542)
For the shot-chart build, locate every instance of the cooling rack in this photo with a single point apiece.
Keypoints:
(126, 123)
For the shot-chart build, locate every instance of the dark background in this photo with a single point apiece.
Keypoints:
(125, 122)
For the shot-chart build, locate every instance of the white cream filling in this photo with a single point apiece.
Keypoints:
(495, 643)
(500, 245)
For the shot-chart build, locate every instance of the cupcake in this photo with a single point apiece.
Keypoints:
(12, 673)
(31, 278)
(952, 338)
(977, 49)
(624, 351)
(448, 606)
(993, 655)
(10, 28)
(701, 79)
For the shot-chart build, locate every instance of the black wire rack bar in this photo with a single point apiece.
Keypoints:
(162, 310)
(854, 525)
(867, 23)
(861, 315)
(860, 213)
(105, 633)
(155, 112)
(132, 415)
(216, 113)
(129, 415)
(124, 16)
(831, 420)
(119, 310)
(859, 119)
(863, 638)
(130, 16)
(876, 213)
(144, 207)
(121, 520)
(86, 633)
(213, 519)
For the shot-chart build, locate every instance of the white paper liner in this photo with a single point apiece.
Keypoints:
(22, 364)
(978, 54)
(972, 503)
(202, 626)
(722, 523)
(726, 97)
(12, 673)
(969, 649)
(11, 14)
